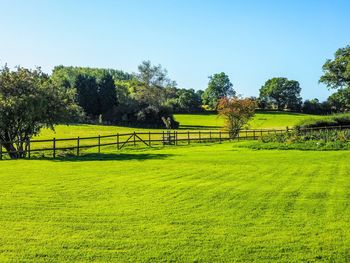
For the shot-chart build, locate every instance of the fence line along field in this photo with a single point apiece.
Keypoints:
(76, 146)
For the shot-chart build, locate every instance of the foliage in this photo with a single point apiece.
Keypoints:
(153, 76)
(314, 106)
(337, 71)
(219, 86)
(30, 101)
(339, 101)
(331, 139)
(87, 94)
(281, 93)
(236, 112)
(185, 101)
(325, 121)
(107, 95)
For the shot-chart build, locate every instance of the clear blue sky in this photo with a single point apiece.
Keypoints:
(251, 41)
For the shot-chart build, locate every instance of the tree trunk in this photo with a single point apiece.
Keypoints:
(11, 150)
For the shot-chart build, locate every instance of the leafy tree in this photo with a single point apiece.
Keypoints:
(281, 92)
(87, 94)
(340, 100)
(29, 101)
(337, 71)
(185, 101)
(106, 93)
(219, 86)
(336, 75)
(314, 106)
(236, 112)
(153, 76)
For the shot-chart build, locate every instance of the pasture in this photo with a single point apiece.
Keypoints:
(273, 120)
(200, 203)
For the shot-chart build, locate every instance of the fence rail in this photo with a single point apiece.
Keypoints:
(148, 139)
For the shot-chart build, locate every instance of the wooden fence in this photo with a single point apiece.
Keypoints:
(54, 147)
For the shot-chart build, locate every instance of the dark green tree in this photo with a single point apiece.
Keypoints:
(106, 93)
(87, 94)
(339, 101)
(219, 86)
(282, 93)
(29, 101)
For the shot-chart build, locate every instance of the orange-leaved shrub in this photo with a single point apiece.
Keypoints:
(236, 112)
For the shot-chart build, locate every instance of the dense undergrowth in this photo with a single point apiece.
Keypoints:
(305, 140)
(325, 121)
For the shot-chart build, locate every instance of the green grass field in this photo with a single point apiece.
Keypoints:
(266, 120)
(273, 120)
(205, 203)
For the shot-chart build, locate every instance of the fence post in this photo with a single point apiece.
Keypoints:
(254, 134)
(118, 141)
(28, 143)
(54, 147)
(188, 137)
(238, 136)
(0, 150)
(246, 134)
(99, 144)
(134, 139)
(261, 132)
(163, 138)
(220, 136)
(149, 139)
(199, 136)
(78, 145)
(176, 142)
(210, 136)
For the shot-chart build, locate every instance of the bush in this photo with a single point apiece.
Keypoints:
(327, 121)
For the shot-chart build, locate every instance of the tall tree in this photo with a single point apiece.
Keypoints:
(154, 76)
(336, 72)
(87, 94)
(281, 92)
(219, 86)
(106, 93)
(29, 101)
(336, 75)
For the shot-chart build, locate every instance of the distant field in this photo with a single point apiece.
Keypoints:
(187, 121)
(273, 120)
(203, 203)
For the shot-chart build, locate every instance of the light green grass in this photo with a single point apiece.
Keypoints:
(268, 120)
(193, 122)
(215, 203)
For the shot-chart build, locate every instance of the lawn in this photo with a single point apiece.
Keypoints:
(266, 120)
(270, 120)
(205, 203)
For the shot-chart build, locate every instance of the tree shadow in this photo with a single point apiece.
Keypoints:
(279, 112)
(198, 127)
(107, 157)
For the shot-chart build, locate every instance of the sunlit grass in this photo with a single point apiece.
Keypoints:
(214, 203)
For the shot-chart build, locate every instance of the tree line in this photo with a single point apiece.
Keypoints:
(31, 99)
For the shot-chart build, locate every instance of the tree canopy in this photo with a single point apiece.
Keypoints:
(281, 93)
(219, 86)
(336, 72)
(29, 101)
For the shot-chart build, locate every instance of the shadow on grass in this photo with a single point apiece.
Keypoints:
(106, 157)
(198, 127)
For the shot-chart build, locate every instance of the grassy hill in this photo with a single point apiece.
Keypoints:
(272, 120)
(204, 203)
(266, 120)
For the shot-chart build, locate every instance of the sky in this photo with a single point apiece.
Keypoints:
(251, 41)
